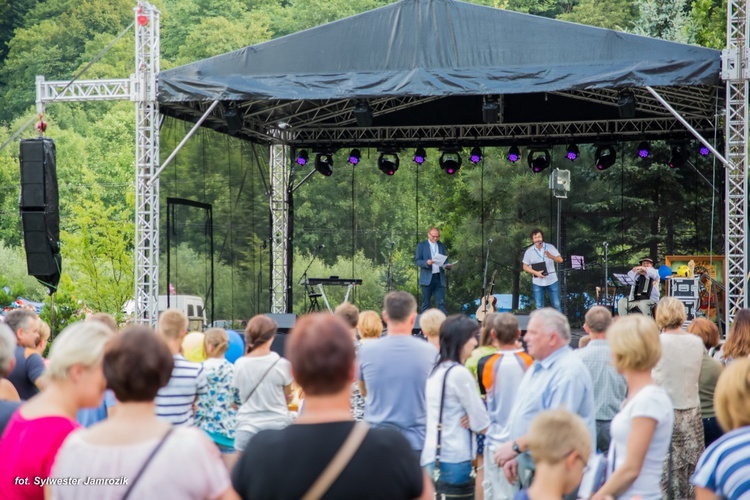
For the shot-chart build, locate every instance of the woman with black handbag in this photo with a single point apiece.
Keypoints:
(454, 411)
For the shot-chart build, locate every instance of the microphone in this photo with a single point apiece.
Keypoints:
(321, 247)
(393, 243)
(489, 241)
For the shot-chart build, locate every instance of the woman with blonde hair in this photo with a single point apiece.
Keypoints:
(35, 432)
(158, 460)
(370, 326)
(679, 372)
(738, 340)
(708, 332)
(641, 431)
(723, 470)
(264, 381)
(216, 409)
(429, 322)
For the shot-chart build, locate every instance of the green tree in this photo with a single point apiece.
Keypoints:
(610, 14)
(99, 251)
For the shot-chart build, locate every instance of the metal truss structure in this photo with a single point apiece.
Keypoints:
(330, 125)
(280, 175)
(735, 72)
(141, 89)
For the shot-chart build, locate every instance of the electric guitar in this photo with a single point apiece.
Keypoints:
(489, 302)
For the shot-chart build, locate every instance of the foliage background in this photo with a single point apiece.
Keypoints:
(638, 207)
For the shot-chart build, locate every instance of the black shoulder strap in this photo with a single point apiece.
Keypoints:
(440, 420)
(145, 464)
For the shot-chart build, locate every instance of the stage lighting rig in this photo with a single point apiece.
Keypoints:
(514, 154)
(302, 157)
(354, 156)
(476, 155)
(572, 152)
(324, 163)
(644, 150)
(420, 156)
(605, 157)
(539, 159)
(388, 163)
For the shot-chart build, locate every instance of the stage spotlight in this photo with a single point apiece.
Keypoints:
(420, 155)
(491, 110)
(324, 164)
(476, 155)
(450, 162)
(605, 157)
(363, 114)
(573, 153)
(388, 163)
(514, 154)
(302, 158)
(539, 159)
(679, 156)
(626, 104)
(644, 150)
(354, 156)
(703, 150)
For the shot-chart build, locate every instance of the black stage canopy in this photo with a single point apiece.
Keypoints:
(425, 67)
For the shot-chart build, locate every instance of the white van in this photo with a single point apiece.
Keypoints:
(191, 305)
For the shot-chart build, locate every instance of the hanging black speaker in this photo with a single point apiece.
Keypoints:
(40, 217)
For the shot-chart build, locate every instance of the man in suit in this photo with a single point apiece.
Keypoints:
(431, 275)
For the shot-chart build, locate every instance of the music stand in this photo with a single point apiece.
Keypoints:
(623, 280)
(577, 262)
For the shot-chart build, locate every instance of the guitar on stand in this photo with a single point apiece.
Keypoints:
(488, 304)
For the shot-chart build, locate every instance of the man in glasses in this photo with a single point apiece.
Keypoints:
(431, 258)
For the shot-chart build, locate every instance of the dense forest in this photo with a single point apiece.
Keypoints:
(638, 207)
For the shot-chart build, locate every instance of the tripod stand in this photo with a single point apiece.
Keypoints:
(312, 295)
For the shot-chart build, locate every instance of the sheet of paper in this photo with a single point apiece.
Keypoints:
(439, 259)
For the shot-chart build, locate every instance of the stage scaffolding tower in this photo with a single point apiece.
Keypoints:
(141, 88)
(735, 72)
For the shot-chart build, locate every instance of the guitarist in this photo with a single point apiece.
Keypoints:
(539, 261)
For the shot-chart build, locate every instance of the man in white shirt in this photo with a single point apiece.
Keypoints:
(546, 279)
(626, 305)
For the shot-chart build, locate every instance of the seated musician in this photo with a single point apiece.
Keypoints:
(644, 295)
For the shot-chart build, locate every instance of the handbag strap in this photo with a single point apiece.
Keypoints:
(440, 423)
(145, 464)
(261, 380)
(340, 460)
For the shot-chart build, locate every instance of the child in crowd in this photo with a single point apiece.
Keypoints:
(216, 411)
(560, 445)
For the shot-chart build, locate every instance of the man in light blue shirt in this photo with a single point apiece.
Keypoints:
(556, 379)
(393, 372)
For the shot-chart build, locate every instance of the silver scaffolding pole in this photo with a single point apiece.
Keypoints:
(734, 72)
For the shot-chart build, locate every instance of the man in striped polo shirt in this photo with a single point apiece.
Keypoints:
(174, 402)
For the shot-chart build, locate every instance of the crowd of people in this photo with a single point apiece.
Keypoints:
(645, 410)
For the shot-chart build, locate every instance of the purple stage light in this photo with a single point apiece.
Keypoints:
(475, 159)
(704, 151)
(353, 160)
(643, 153)
(418, 159)
(572, 156)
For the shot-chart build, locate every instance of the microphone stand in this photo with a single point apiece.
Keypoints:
(303, 280)
(389, 276)
(606, 272)
(486, 264)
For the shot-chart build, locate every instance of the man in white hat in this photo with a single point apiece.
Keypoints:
(632, 304)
